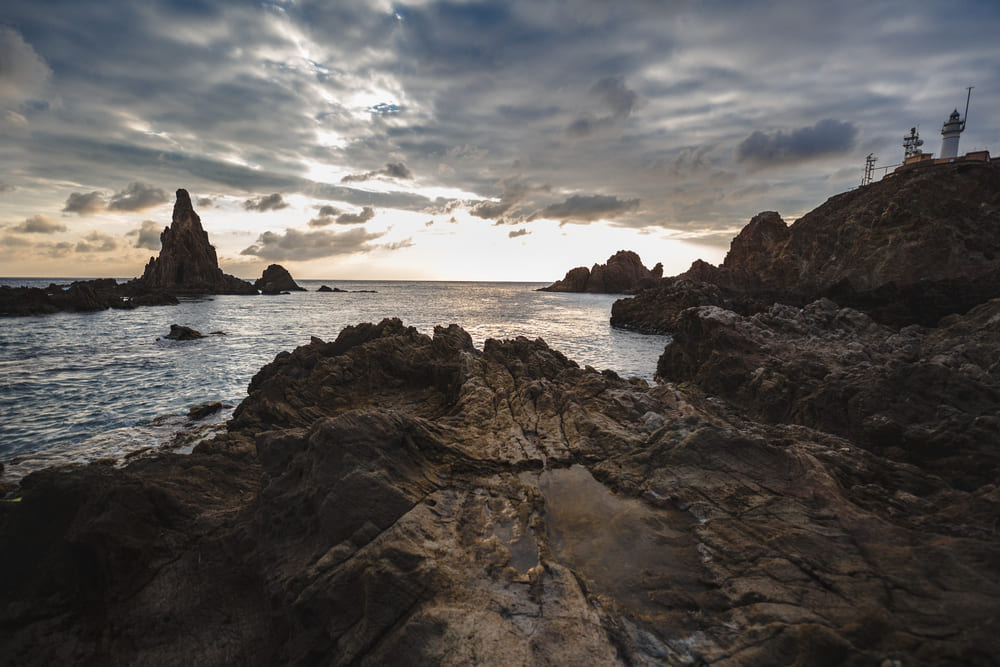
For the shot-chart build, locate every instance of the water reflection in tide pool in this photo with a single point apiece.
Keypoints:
(643, 556)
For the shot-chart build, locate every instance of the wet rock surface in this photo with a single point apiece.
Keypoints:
(396, 498)
(623, 273)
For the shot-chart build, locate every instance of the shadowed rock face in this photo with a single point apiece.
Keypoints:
(908, 249)
(393, 498)
(622, 274)
(275, 279)
(187, 262)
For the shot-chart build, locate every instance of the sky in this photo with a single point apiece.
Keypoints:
(432, 140)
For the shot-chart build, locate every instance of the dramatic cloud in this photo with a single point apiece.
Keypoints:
(327, 216)
(587, 208)
(147, 235)
(391, 170)
(6, 188)
(513, 234)
(22, 71)
(40, 224)
(97, 242)
(364, 215)
(515, 193)
(137, 197)
(613, 95)
(273, 202)
(85, 204)
(301, 246)
(827, 137)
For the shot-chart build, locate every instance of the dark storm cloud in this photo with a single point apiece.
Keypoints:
(825, 138)
(390, 170)
(587, 208)
(514, 194)
(147, 235)
(296, 245)
(137, 197)
(39, 224)
(513, 234)
(85, 203)
(273, 202)
(205, 202)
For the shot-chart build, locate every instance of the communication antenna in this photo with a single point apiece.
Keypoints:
(968, 97)
(869, 168)
(912, 143)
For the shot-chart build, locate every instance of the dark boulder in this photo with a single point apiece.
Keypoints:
(178, 332)
(276, 279)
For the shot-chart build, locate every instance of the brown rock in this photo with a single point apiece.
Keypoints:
(623, 273)
(392, 496)
(187, 262)
(277, 279)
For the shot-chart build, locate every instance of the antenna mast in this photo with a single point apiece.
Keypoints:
(911, 144)
(869, 169)
(967, 98)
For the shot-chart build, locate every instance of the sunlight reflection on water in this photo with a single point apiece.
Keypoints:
(70, 376)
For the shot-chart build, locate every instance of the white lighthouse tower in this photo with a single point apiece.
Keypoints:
(952, 129)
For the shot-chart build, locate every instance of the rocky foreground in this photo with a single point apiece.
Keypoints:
(395, 498)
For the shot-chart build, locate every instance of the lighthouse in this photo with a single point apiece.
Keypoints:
(949, 134)
(952, 129)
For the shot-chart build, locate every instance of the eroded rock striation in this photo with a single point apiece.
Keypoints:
(277, 279)
(187, 263)
(624, 273)
(392, 497)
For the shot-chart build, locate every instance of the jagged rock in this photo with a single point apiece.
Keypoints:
(394, 497)
(276, 279)
(325, 288)
(909, 249)
(178, 332)
(187, 262)
(655, 310)
(205, 409)
(79, 296)
(925, 396)
(623, 273)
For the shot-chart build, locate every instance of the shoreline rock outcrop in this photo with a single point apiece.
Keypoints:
(909, 249)
(276, 279)
(187, 263)
(623, 273)
(392, 496)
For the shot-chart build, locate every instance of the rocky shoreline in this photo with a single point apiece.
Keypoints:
(392, 497)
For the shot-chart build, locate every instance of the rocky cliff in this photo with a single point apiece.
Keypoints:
(910, 248)
(187, 262)
(624, 273)
(396, 498)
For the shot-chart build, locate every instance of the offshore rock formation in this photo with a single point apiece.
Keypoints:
(277, 279)
(623, 273)
(908, 249)
(79, 296)
(187, 263)
(394, 498)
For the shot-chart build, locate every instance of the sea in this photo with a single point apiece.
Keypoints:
(81, 387)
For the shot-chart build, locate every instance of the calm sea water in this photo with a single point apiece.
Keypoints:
(80, 386)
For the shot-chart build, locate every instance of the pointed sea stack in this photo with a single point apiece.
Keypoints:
(187, 263)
